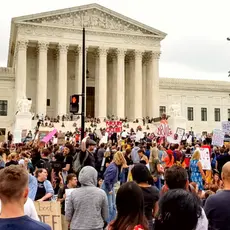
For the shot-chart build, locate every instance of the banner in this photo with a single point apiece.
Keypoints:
(205, 158)
(226, 126)
(218, 137)
(49, 213)
(49, 136)
(23, 135)
(113, 127)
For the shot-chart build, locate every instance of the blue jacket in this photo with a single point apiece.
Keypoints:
(111, 176)
(33, 187)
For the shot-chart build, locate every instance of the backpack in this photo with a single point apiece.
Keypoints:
(46, 165)
(77, 166)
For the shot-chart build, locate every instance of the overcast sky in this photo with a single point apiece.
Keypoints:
(195, 47)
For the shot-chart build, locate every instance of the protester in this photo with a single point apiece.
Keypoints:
(217, 207)
(130, 209)
(169, 159)
(141, 176)
(71, 183)
(110, 178)
(12, 159)
(197, 173)
(13, 194)
(134, 154)
(176, 177)
(179, 210)
(87, 207)
(40, 188)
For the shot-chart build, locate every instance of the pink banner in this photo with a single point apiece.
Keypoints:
(49, 136)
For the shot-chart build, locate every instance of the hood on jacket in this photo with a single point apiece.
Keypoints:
(88, 176)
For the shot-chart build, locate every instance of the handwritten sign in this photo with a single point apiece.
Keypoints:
(49, 213)
(226, 126)
(42, 134)
(218, 137)
(164, 130)
(61, 139)
(205, 158)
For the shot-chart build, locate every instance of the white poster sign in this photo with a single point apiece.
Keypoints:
(205, 158)
(218, 137)
(226, 126)
(67, 193)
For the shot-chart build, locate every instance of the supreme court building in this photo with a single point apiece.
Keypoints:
(122, 70)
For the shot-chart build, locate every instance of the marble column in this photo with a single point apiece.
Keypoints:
(153, 85)
(155, 82)
(120, 84)
(127, 88)
(96, 101)
(102, 83)
(62, 80)
(78, 70)
(41, 98)
(138, 85)
(114, 82)
(144, 85)
(21, 69)
(132, 89)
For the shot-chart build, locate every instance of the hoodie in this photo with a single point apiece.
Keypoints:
(87, 207)
(135, 156)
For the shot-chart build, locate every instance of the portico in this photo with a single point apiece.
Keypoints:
(122, 58)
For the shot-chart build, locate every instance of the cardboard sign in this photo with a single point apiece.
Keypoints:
(61, 139)
(226, 126)
(180, 132)
(49, 213)
(205, 158)
(42, 134)
(163, 130)
(218, 137)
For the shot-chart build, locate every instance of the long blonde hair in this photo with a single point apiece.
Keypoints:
(196, 155)
(119, 158)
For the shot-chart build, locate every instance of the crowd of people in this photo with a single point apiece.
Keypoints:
(122, 184)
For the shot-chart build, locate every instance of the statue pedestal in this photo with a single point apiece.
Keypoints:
(23, 121)
(175, 122)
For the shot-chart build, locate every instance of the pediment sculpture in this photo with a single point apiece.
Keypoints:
(92, 18)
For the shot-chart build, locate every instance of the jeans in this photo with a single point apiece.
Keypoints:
(158, 183)
(111, 203)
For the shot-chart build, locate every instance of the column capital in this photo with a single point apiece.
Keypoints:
(120, 52)
(155, 55)
(103, 51)
(138, 54)
(78, 50)
(22, 44)
(43, 46)
(63, 48)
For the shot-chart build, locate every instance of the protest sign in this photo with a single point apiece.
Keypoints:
(68, 193)
(61, 139)
(164, 130)
(226, 126)
(205, 158)
(23, 135)
(2, 138)
(180, 132)
(113, 126)
(42, 134)
(218, 137)
(17, 136)
(49, 136)
(49, 213)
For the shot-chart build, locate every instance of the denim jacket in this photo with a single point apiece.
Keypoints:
(111, 176)
(33, 187)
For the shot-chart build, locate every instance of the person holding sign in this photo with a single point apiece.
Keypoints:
(14, 192)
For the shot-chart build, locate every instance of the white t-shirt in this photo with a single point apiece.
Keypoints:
(29, 209)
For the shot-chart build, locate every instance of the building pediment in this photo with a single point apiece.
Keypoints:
(91, 16)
